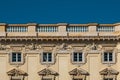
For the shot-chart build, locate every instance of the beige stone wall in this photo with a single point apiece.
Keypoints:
(63, 59)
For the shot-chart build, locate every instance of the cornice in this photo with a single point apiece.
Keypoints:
(17, 24)
(116, 24)
(47, 25)
(106, 25)
(78, 25)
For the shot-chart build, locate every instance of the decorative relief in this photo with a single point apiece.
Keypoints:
(93, 48)
(2, 47)
(32, 47)
(63, 47)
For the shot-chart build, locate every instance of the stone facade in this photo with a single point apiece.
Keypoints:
(54, 51)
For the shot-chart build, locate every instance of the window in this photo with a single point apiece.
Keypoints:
(46, 79)
(108, 79)
(77, 29)
(77, 79)
(78, 57)
(47, 57)
(108, 57)
(47, 29)
(105, 28)
(17, 29)
(16, 58)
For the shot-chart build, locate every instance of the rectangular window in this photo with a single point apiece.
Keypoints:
(77, 79)
(46, 79)
(77, 29)
(108, 79)
(77, 56)
(105, 28)
(17, 29)
(16, 57)
(108, 56)
(47, 57)
(47, 29)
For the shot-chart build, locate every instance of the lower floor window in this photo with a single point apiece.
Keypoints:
(46, 79)
(108, 79)
(77, 79)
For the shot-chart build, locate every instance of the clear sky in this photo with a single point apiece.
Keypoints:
(59, 11)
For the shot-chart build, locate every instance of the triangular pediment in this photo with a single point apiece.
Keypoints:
(47, 72)
(109, 71)
(16, 72)
(78, 72)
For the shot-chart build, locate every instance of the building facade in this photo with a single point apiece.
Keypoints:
(59, 51)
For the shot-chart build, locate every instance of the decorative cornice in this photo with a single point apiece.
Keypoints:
(116, 24)
(47, 25)
(17, 24)
(78, 25)
(106, 25)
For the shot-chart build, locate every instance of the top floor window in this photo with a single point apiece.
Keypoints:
(47, 57)
(108, 57)
(47, 29)
(17, 29)
(16, 58)
(78, 57)
(77, 29)
(105, 28)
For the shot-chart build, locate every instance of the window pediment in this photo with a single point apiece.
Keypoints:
(47, 72)
(16, 72)
(78, 72)
(109, 71)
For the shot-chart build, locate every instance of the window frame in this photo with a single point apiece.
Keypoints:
(108, 61)
(108, 78)
(47, 62)
(77, 62)
(16, 62)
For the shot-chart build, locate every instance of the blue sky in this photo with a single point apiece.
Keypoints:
(59, 11)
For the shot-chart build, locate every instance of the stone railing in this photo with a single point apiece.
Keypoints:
(59, 30)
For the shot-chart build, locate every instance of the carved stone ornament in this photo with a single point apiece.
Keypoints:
(2, 47)
(93, 47)
(32, 46)
(63, 47)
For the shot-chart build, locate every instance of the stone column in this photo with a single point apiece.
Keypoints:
(62, 29)
(117, 27)
(2, 29)
(32, 29)
(92, 27)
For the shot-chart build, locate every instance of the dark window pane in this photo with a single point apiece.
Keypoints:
(19, 57)
(75, 57)
(105, 56)
(80, 57)
(110, 57)
(13, 57)
(49, 57)
(44, 57)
